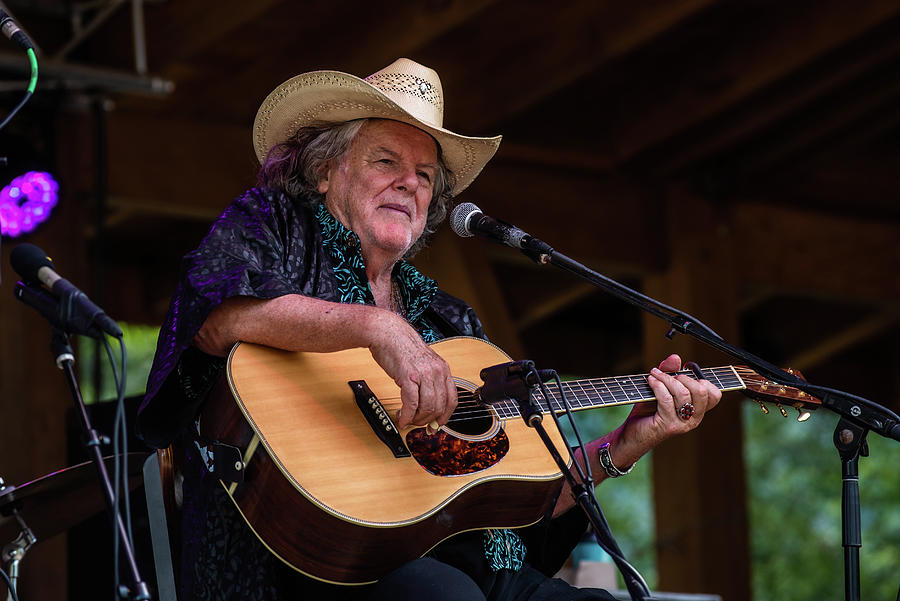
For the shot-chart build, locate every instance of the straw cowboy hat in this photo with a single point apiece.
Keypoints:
(403, 91)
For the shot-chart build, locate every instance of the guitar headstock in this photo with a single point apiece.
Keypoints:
(763, 390)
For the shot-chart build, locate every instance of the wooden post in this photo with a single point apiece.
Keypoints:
(699, 482)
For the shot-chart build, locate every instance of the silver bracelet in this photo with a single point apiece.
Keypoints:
(608, 466)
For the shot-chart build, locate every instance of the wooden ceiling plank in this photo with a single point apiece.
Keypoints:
(367, 39)
(540, 311)
(527, 154)
(126, 207)
(522, 68)
(846, 339)
(423, 22)
(166, 165)
(180, 30)
(591, 218)
(766, 110)
(796, 38)
(804, 137)
(793, 249)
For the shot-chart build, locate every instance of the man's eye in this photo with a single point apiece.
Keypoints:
(386, 161)
(425, 176)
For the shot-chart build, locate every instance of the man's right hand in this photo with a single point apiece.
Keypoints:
(427, 389)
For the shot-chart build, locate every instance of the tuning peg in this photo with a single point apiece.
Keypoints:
(802, 414)
(762, 406)
(780, 408)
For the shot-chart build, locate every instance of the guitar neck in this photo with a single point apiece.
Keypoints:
(619, 390)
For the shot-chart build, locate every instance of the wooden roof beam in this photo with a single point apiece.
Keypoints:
(792, 249)
(558, 302)
(797, 37)
(525, 69)
(165, 166)
(811, 136)
(856, 334)
(367, 39)
(767, 108)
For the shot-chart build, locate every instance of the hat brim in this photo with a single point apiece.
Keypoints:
(322, 97)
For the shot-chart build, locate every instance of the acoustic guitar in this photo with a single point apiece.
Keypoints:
(333, 489)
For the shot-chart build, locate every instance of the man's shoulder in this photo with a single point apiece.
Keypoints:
(445, 301)
(269, 200)
(459, 318)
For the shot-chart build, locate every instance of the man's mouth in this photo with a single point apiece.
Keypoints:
(397, 207)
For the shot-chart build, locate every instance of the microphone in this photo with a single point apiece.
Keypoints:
(12, 31)
(34, 265)
(47, 305)
(467, 220)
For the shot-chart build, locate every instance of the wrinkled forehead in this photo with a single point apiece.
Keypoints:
(400, 135)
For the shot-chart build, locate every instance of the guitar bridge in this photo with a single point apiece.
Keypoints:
(378, 418)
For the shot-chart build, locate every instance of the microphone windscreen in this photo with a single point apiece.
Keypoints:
(459, 219)
(27, 259)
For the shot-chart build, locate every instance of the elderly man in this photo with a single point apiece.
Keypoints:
(355, 174)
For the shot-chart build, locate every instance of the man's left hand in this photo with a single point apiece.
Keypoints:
(681, 403)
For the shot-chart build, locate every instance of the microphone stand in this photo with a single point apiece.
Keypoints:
(65, 359)
(520, 384)
(857, 415)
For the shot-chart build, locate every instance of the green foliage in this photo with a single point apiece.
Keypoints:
(794, 488)
(794, 502)
(140, 344)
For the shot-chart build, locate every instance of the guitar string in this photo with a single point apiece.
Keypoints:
(641, 388)
(470, 408)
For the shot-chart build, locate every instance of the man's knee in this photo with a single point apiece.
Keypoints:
(426, 579)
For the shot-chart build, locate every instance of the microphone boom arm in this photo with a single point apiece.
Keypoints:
(855, 409)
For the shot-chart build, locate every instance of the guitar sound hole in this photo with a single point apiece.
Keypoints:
(471, 418)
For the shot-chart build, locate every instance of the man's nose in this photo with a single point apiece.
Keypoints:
(407, 180)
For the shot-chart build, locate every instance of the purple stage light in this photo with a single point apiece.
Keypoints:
(27, 202)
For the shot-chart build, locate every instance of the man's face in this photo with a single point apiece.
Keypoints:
(382, 186)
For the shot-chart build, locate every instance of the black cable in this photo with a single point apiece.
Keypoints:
(117, 473)
(120, 449)
(608, 542)
(15, 110)
(32, 60)
(120, 410)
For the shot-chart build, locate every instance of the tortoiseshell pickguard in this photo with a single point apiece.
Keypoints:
(444, 454)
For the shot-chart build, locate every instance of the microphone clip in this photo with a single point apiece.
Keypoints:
(514, 380)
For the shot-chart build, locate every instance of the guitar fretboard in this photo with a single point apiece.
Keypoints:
(618, 390)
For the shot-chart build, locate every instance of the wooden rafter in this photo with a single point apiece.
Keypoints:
(856, 334)
(795, 37)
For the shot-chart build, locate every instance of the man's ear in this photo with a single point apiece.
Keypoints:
(323, 174)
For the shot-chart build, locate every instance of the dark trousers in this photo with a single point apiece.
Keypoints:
(430, 580)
